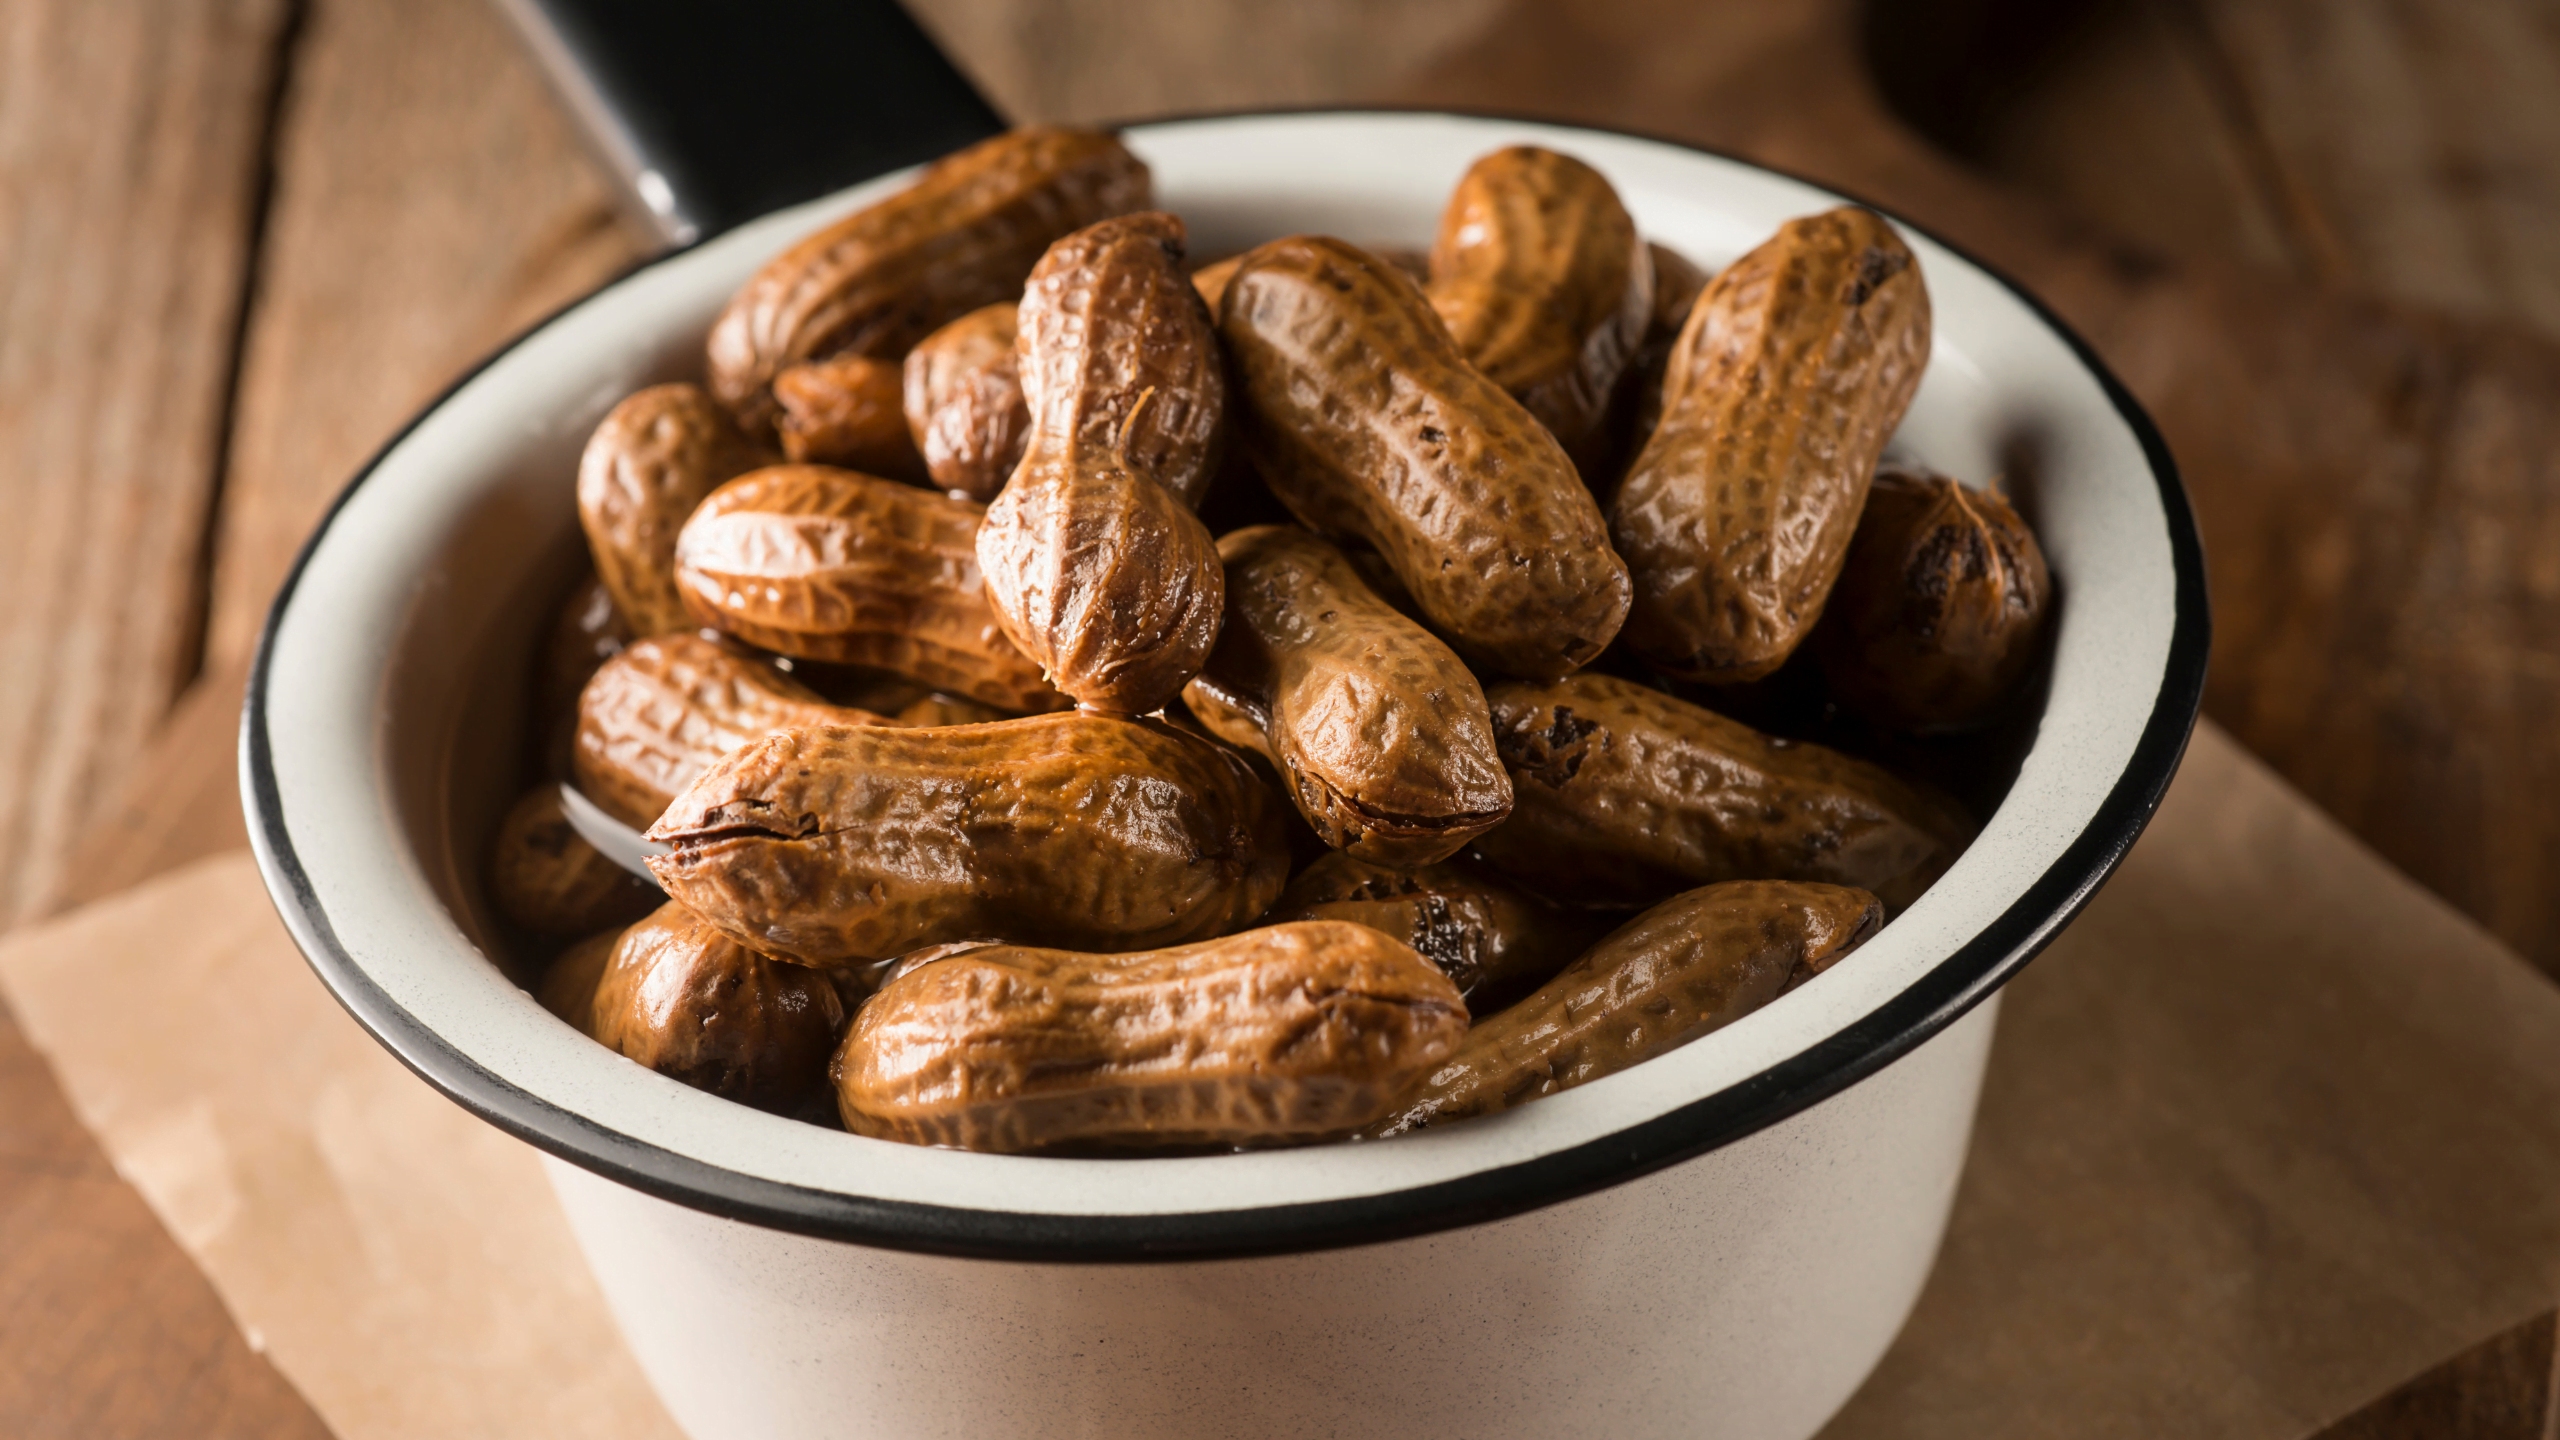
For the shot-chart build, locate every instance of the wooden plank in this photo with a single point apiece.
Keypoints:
(2415, 140)
(431, 200)
(2507, 1387)
(129, 143)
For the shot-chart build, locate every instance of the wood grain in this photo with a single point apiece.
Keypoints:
(130, 138)
(431, 200)
(2507, 1387)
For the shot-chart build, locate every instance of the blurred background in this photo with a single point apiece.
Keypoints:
(242, 240)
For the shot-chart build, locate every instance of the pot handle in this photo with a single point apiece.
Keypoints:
(716, 111)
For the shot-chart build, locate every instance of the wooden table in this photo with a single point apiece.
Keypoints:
(240, 240)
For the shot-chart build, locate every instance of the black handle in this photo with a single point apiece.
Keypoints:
(716, 111)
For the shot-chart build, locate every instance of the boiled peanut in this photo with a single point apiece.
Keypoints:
(696, 1006)
(661, 712)
(848, 411)
(568, 987)
(1624, 794)
(1095, 563)
(964, 405)
(645, 468)
(1290, 1033)
(1795, 366)
(1494, 942)
(834, 844)
(1379, 730)
(831, 565)
(1692, 964)
(1546, 287)
(964, 235)
(548, 879)
(1939, 606)
(1367, 423)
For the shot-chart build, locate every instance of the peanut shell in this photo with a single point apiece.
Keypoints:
(879, 280)
(694, 1005)
(831, 565)
(1289, 1033)
(1378, 728)
(837, 845)
(1369, 425)
(964, 405)
(1796, 364)
(848, 411)
(654, 458)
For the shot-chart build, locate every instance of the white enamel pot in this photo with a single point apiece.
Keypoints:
(1721, 1241)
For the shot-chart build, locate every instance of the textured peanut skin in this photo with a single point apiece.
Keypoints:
(1095, 563)
(831, 565)
(548, 879)
(836, 845)
(1939, 606)
(696, 1006)
(848, 411)
(645, 468)
(1797, 362)
(1546, 287)
(1368, 424)
(876, 282)
(663, 711)
(1624, 794)
(964, 405)
(1494, 942)
(1694, 963)
(1379, 730)
(1290, 1033)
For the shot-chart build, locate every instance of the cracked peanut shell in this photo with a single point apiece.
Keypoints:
(1797, 362)
(1494, 941)
(838, 845)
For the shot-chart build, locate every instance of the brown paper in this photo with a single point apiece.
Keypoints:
(2266, 1132)
(402, 1263)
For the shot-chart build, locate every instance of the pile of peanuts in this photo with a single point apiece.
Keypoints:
(1008, 803)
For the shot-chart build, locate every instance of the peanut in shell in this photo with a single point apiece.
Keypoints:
(879, 280)
(1546, 287)
(1368, 423)
(1284, 1034)
(1797, 362)
(1623, 794)
(646, 467)
(1939, 608)
(1493, 940)
(1378, 729)
(837, 845)
(963, 402)
(833, 565)
(654, 717)
(685, 1000)
(548, 879)
(1095, 564)
(1692, 964)
(848, 411)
